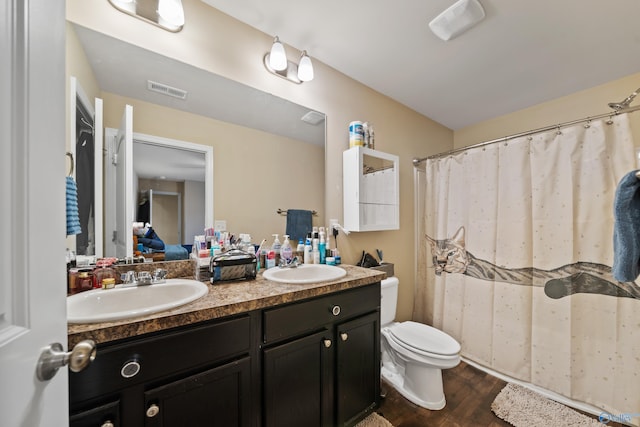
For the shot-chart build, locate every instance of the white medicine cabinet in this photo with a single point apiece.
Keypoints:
(371, 190)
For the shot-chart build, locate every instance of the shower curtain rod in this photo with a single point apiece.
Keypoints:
(417, 161)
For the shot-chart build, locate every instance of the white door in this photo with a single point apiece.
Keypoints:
(124, 185)
(32, 212)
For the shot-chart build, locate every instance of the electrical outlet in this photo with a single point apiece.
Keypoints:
(220, 225)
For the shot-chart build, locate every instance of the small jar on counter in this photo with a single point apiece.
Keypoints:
(104, 271)
(84, 281)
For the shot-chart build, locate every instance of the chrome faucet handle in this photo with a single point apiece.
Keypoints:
(159, 274)
(144, 278)
(128, 277)
(293, 263)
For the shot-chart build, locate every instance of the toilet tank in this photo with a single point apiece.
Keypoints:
(389, 300)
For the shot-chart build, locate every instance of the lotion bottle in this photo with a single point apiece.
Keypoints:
(286, 251)
(307, 250)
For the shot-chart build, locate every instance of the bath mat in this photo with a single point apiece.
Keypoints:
(374, 420)
(522, 407)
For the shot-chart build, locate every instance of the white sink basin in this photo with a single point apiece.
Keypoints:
(305, 273)
(101, 305)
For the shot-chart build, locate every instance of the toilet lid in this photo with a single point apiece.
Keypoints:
(425, 338)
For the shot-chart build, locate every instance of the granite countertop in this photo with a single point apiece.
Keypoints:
(222, 300)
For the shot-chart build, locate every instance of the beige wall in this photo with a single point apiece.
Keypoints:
(251, 169)
(217, 43)
(586, 103)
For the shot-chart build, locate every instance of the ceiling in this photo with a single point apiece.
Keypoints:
(123, 69)
(523, 53)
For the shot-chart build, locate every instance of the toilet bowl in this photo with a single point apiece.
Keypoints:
(414, 354)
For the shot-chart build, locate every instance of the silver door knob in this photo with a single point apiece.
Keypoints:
(327, 343)
(344, 336)
(107, 424)
(54, 357)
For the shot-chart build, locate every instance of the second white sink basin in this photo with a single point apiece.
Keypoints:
(101, 305)
(305, 273)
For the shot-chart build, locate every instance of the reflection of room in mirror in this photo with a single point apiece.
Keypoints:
(85, 178)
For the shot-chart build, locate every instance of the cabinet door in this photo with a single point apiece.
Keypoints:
(357, 368)
(298, 386)
(107, 415)
(217, 397)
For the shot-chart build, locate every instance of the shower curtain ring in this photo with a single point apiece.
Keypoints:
(558, 132)
(588, 124)
(610, 121)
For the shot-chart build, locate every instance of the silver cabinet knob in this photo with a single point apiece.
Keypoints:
(327, 343)
(344, 336)
(152, 411)
(54, 357)
(335, 310)
(107, 424)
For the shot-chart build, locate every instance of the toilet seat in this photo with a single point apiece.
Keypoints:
(424, 339)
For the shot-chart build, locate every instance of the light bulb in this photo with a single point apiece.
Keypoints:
(171, 11)
(305, 69)
(277, 56)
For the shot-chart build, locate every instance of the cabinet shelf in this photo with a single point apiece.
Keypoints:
(371, 190)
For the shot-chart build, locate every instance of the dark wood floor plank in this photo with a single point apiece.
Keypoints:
(469, 393)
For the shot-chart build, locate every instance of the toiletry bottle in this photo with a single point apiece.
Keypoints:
(307, 250)
(300, 249)
(322, 246)
(286, 251)
(315, 253)
(275, 247)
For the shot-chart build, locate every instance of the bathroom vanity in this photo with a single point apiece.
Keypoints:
(254, 353)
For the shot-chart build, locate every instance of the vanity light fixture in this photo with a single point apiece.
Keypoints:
(276, 62)
(277, 56)
(166, 14)
(305, 69)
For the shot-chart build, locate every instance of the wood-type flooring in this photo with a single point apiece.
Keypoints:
(469, 393)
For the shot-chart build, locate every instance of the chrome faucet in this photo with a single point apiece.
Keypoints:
(293, 263)
(143, 278)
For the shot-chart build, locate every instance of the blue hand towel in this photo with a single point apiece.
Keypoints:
(73, 217)
(298, 224)
(626, 230)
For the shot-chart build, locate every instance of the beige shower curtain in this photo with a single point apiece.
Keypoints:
(532, 210)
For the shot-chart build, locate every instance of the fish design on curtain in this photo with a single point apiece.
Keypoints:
(451, 256)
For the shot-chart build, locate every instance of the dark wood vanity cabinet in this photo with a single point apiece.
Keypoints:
(310, 363)
(195, 376)
(321, 360)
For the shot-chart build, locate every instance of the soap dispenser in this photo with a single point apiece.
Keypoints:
(286, 251)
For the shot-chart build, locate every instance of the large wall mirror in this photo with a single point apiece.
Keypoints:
(267, 152)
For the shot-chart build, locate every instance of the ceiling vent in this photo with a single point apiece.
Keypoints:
(166, 90)
(313, 118)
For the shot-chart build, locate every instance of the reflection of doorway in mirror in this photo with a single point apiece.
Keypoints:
(85, 179)
(166, 216)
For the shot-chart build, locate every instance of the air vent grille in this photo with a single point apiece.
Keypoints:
(166, 90)
(313, 118)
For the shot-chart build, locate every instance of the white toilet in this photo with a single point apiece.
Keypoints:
(414, 354)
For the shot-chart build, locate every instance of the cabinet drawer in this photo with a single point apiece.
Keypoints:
(146, 359)
(301, 317)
